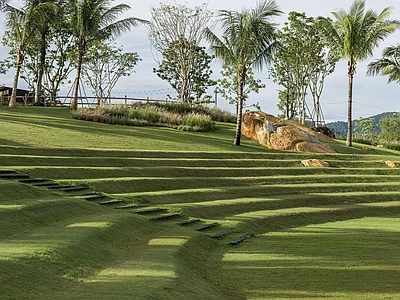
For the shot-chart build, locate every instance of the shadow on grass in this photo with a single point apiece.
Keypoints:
(318, 261)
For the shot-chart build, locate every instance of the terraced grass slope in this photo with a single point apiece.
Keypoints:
(93, 211)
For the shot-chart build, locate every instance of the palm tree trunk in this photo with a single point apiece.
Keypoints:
(239, 110)
(41, 67)
(349, 138)
(74, 100)
(13, 99)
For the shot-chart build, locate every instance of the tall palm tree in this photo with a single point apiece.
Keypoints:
(388, 65)
(354, 34)
(92, 20)
(43, 30)
(248, 40)
(21, 25)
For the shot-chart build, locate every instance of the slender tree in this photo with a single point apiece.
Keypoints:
(43, 30)
(104, 64)
(22, 25)
(354, 34)
(180, 29)
(248, 40)
(388, 65)
(93, 20)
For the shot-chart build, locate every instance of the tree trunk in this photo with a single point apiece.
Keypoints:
(13, 99)
(41, 67)
(239, 110)
(74, 100)
(349, 138)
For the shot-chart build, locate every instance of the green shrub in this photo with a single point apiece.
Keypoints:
(202, 122)
(175, 115)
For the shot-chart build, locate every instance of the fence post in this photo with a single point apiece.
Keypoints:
(126, 100)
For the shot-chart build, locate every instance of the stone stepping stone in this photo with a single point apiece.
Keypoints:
(33, 180)
(73, 188)
(94, 197)
(131, 206)
(111, 202)
(57, 186)
(163, 217)
(7, 171)
(191, 221)
(149, 211)
(44, 184)
(241, 239)
(14, 175)
(221, 234)
(206, 226)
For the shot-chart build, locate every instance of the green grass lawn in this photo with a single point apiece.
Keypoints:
(318, 233)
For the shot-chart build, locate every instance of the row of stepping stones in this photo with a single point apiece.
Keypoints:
(138, 208)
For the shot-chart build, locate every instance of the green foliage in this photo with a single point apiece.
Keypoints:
(368, 128)
(301, 63)
(229, 84)
(146, 115)
(388, 65)
(104, 64)
(390, 129)
(186, 67)
(353, 35)
(248, 41)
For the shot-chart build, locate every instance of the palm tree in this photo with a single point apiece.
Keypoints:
(92, 20)
(354, 34)
(388, 65)
(21, 26)
(248, 41)
(43, 31)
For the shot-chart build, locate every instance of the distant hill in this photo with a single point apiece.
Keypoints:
(340, 127)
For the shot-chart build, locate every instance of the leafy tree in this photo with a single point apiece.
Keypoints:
(301, 62)
(104, 64)
(22, 27)
(248, 40)
(187, 69)
(60, 58)
(95, 20)
(176, 32)
(390, 128)
(286, 104)
(388, 65)
(367, 127)
(229, 84)
(354, 34)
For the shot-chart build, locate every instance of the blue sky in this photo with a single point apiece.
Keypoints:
(372, 95)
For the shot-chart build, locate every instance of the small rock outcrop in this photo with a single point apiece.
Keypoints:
(283, 135)
(314, 163)
(392, 164)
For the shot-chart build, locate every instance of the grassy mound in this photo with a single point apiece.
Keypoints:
(83, 223)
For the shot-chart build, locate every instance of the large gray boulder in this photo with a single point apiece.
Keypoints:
(274, 133)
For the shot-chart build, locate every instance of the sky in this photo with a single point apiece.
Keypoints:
(371, 95)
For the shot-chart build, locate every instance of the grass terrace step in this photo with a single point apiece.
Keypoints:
(163, 217)
(111, 202)
(129, 206)
(206, 226)
(187, 222)
(241, 239)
